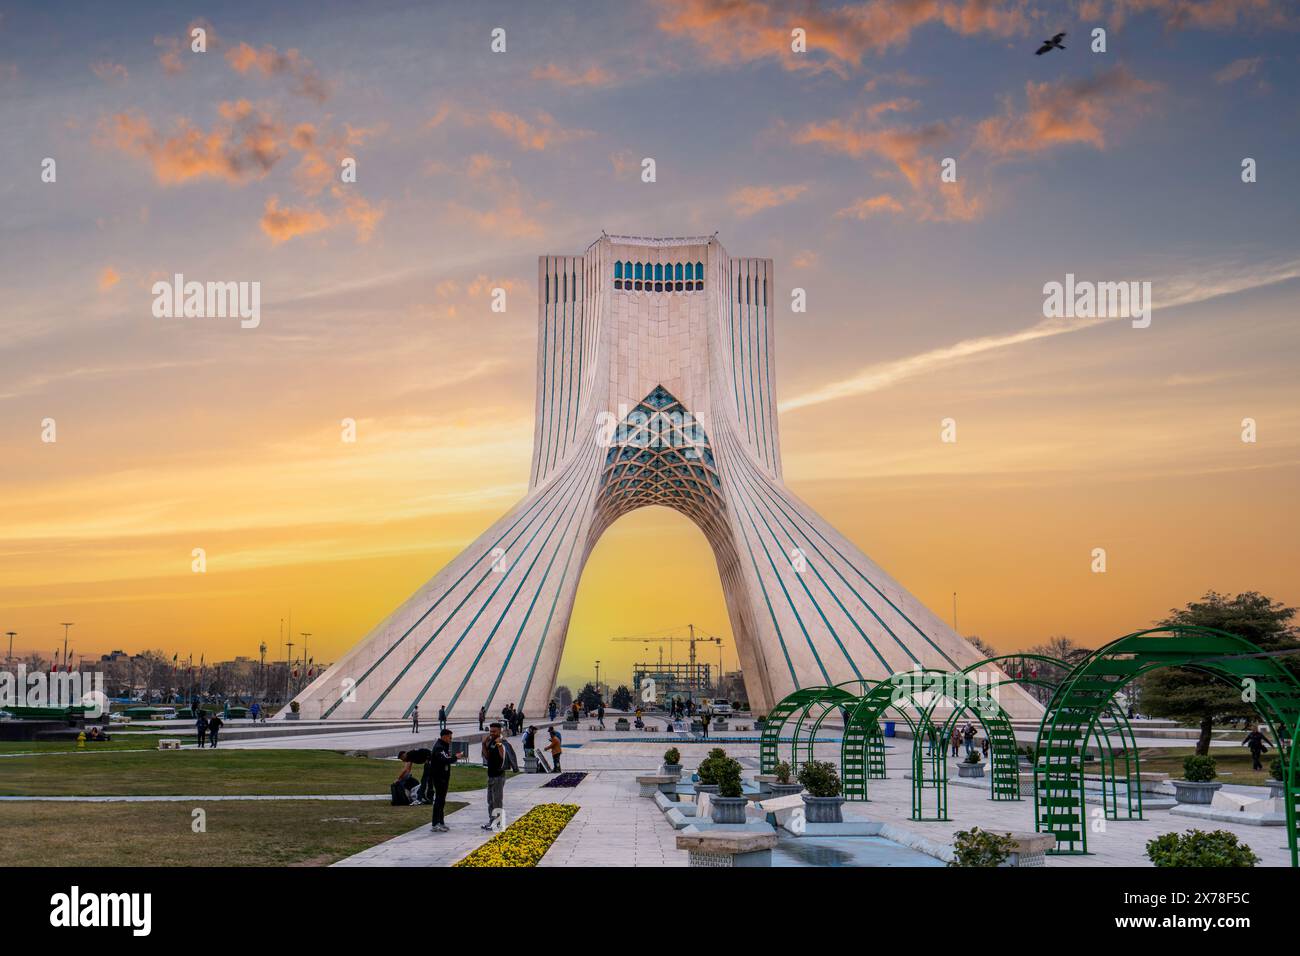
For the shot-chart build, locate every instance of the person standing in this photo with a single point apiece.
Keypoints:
(201, 726)
(705, 717)
(415, 720)
(969, 735)
(494, 758)
(555, 747)
(1257, 743)
(482, 716)
(553, 709)
(254, 711)
(600, 714)
(442, 718)
(214, 728)
(440, 769)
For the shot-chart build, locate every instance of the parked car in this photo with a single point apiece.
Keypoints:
(720, 707)
(5, 715)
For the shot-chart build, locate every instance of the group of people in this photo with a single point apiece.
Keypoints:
(208, 728)
(436, 778)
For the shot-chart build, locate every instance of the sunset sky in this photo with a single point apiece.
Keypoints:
(925, 300)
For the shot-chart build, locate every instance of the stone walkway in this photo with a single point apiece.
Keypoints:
(614, 827)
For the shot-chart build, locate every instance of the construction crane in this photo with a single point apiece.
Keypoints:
(690, 641)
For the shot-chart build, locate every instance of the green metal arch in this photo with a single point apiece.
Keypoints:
(1075, 708)
(770, 739)
(835, 697)
(905, 687)
(1111, 753)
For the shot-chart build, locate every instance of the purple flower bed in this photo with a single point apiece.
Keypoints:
(565, 780)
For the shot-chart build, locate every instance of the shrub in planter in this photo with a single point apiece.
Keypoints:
(708, 766)
(820, 778)
(293, 706)
(672, 757)
(1200, 769)
(1198, 848)
(973, 757)
(976, 847)
(726, 773)
(782, 772)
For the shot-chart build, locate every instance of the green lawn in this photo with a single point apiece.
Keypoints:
(262, 833)
(119, 741)
(1233, 763)
(207, 772)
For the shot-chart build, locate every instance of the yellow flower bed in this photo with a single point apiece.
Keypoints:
(525, 841)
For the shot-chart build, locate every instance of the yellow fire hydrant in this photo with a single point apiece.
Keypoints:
(81, 740)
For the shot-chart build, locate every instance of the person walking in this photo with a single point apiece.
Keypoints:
(442, 718)
(555, 747)
(254, 711)
(600, 714)
(440, 770)
(482, 716)
(201, 727)
(553, 709)
(1257, 743)
(530, 742)
(521, 718)
(494, 758)
(214, 728)
(415, 720)
(705, 717)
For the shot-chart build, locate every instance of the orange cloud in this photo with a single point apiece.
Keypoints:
(174, 49)
(867, 207)
(283, 224)
(839, 37)
(108, 277)
(270, 62)
(752, 199)
(108, 71)
(1061, 113)
(243, 146)
(909, 150)
(358, 212)
(566, 76)
(536, 136)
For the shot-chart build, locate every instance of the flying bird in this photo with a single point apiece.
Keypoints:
(1053, 44)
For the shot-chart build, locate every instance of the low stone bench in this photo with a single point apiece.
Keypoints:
(728, 848)
(169, 743)
(652, 783)
(1030, 848)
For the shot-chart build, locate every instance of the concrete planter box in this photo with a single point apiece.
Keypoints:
(714, 848)
(720, 725)
(621, 724)
(764, 781)
(727, 809)
(671, 769)
(709, 788)
(1277, 790)
(786, 789)
(1187, 791)
(823, 809)
(965, 769)
(290, 715)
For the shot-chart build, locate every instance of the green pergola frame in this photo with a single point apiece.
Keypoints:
(964, 693)
(1071, 717)
(1111, 754)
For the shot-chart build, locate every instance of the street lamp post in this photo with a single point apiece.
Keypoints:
(598, 693)
(65, 625)
(11, 635)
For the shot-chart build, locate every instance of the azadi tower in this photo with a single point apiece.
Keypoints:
(654, 387)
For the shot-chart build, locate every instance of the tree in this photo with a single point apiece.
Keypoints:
(563, 696)
(981, 645)
(1184, 694)
(622, 698)
(589, 697)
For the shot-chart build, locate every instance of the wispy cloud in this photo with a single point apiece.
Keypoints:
(1199, 286)
(748, 200)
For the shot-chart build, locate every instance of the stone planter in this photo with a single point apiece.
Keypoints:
(1277, 790)
(823, 809)
(965, 769)
(291, 715)
(727, 809)
(786, 789)
(621, 724)
(709, 788)
(1195, 792)
(765, 781)
(671, 769)
(570, 725)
